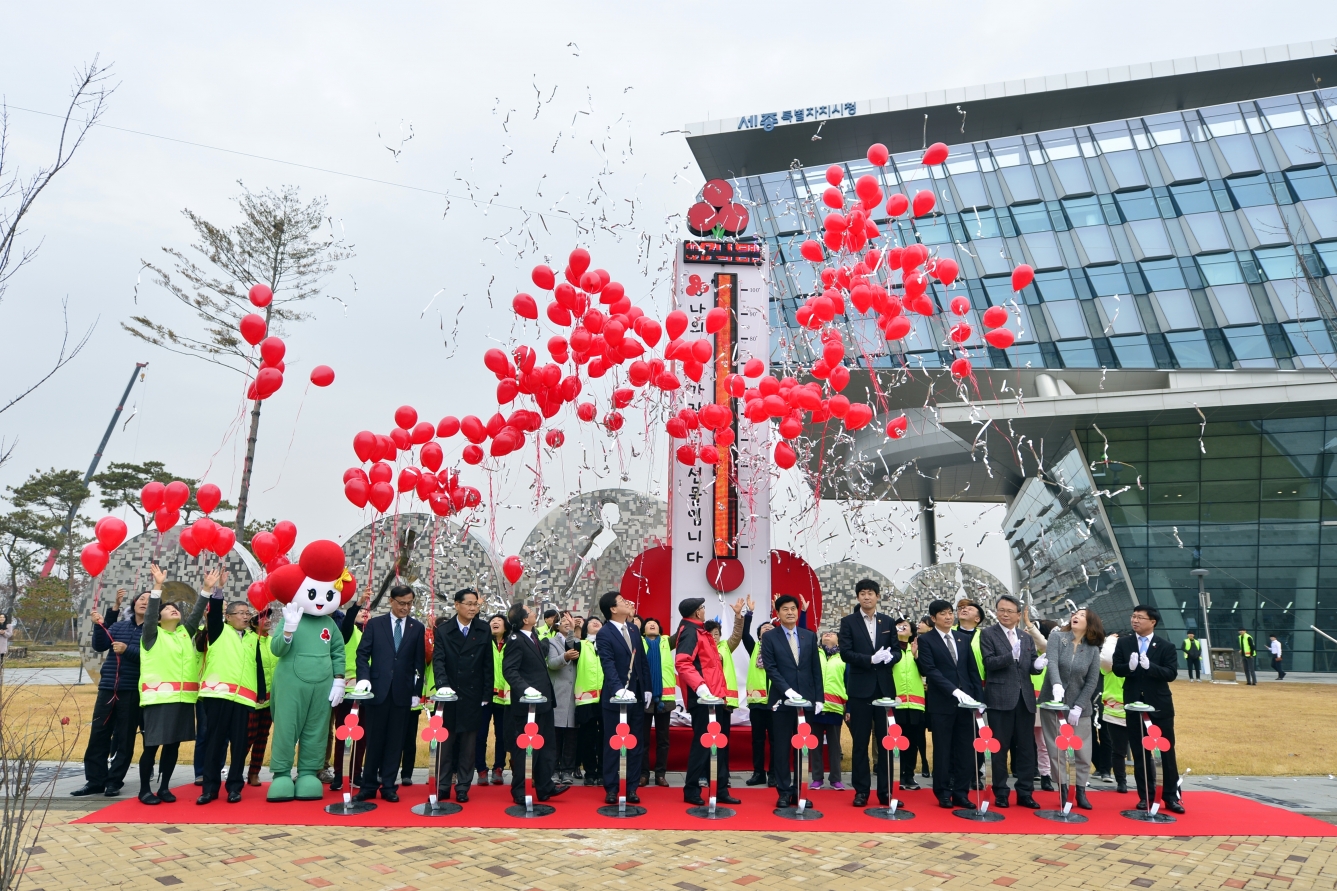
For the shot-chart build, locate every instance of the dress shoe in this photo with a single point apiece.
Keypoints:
(926, 775)
(336, 786)
(770, 780)
(1082, 801)
(944, 802)
(661, 779)
(199, 781)
(961, 801)
(784, 801)
(365, 794)
(444, 794)
(758, 778)
(911, 786)
(462, 796)
(1027, 801)
(88, 789)
(1122, 786)
(1001, 802)
(165, 795)
(694, 798)
(632, 798)
(558, 790)
(592, 781)
(610, 798)
(860, 799)
(233, 797)
(205, 798)
(723, 797)
(390, 795)
(1047, 784)
(1142, 804)
(406, 781)
(1174, 807)
(113, 791)
(147, 797)
(645, 779)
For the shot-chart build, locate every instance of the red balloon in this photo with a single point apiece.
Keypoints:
(94, 558)
(946, 270)
(110, 532)
(441, 504)
(253, 328)
(427, 485)
(838, 405)
(406, 416)
(995, 316)
(960, 306)
(205, 531)
(839, 378)
(422, 432)
(586, 411)
(267, 382)
(261, 295)
(524, 306)
(784, 456)
(961, 368)
(613, 421)
(833, 198)
(188, 542)
(960, 332)
(923, 202)
(265, 545)
(381, 496)
(175, 495)
(878, 155)
(543, 277)
(276, 564)
(322, 375)
(512, 568)
(1000, 338)
(913, 256)
(858, 416)
(399, 438)
(579, 261)
(165, 519)
(208, 497)
(285, 531)
(1022, 276)
(258, 595)
(380, 473)
(408, 479)
(448, 427)
(365, 445)
(272, 350)
(355, 473)
(472, 454)
(151, 496)
(675, 323)
(934, 154)
(897, 204)
(686, 454)
(811, 251)
(835, 174)
(431, 456)
(554, 439)
(223, 541)
(716, 319)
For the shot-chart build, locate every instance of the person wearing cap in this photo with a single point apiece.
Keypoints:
(790, 655)
(701, 673)
(232, 683)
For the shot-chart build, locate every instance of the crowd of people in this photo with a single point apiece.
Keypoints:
(205, 671)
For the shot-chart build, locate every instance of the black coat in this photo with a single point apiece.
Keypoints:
(1151, 684)
(1009, 679)
(863, 679)
(941, 677)
(621, 667)
(396, 677)
(803, 677)
(525, 664)
(463, 663)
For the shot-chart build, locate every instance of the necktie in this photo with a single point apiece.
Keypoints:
(1142, 645)
(626, 635)
(464, 630)
(1016, 644)
(399, 633)
(951, 645)
(793, 644)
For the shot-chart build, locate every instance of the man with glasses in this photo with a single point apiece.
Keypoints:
(462, 663)
(390, 663)
(1147, 663)
(1010, 660)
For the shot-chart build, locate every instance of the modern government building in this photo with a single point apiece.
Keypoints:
(1170, 406)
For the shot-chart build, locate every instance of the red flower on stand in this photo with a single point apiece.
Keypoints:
(803, 739)
(1068, 738)
(434, 731)
(530, 739)
(713, 738)
(350, 729)
(1152, 739)
(894, 740)
(622, 738)
(986, 742)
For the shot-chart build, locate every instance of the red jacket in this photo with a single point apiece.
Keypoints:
(697, 660)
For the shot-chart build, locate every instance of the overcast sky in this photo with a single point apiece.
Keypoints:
(337, 86)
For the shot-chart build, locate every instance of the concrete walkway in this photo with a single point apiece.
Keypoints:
(48, 676)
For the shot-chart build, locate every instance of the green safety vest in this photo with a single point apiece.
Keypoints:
(350, 653)
(589, 674)
(1188, 654)
(543, 632)
(668, 677)
(169, 671)
(758, 685)
(730, 675)
(1246, 644)
(428, 687)
(229, 670)
(268, 661)
(975, 648)
(833, 684)
(1112, 694)
(501, 691)
(909, 683)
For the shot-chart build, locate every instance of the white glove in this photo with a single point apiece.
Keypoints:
(1058, 692)
(1133, 660)
(362, 686)
(792, 694)
(1074, 715)
(960, 695)
(702, 690)
(531, 692)
(415, 701)
(1144, 661)
(1041, 663)
(444, 691)
(881, 656)
(817, 708)
(292, 615)
(337, 692)
(648, 694)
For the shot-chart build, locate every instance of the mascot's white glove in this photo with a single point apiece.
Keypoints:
(444, 691)
(337, 692)
(1074, 715)
(702, 691)
(1144, 661)
(881, 656)
(1058, 692)
(362, 686)
(292, 615)
(817, 707)
(1133, 660)
(531, 692)
(1041, 663)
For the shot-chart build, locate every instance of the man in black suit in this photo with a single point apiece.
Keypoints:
(524, 665)
(869, 649)
(790, 657)
(462, 662)
(1148, 664)
(622, 656)
(951, 678)
(1010, 661)
(390, 664)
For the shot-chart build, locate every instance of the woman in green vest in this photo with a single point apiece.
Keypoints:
(355, 619)
(589, 720)
(231, 683)
(1115, 720)
(910, 691)
(827, 725)
(169, 683)
(758, 691)
(494, 713)
(663, 686)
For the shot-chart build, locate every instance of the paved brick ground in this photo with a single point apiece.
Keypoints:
(275, 857)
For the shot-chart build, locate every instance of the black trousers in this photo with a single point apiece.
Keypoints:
(953, 755)
(762, 719)
(1118, 737)
(1250, 676)
(495, 715)
(784, 724)
(612, 758)
(1014, 729)
(409, 757)
(1276, 666)
(913, 726)
(456, 757)
(228, 723)
(385, 743)
(1169, 765)
(1100, 746)
(698, 756)
(660, 722)
(115, 725)
(589, 740)
(545, 759)
(1194, 668)
(863, 718)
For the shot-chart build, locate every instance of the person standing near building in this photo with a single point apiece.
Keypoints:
(561, 650)
(869, 647)
(663, 687)
(1193, 656)
(232, 684)
(791, 662)
(1011, 661)
(910, 714)
(116, 709)
(827, 725)
(758, 693)
(1148, 665)
(589, 715)
(1114, 724)
(622, 656)
(952, 679)
(525, 668)
(1249, 651)
(1072, 678)
(696, 657)
(1274, 647)
(462, 664)
(390, 663)
(495, 713)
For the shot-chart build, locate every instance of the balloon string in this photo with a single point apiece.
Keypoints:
(430, 641)
(237, 421)
(371, 564)
(291, 439)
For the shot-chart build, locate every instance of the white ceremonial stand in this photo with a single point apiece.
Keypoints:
(530, 809)
(802, 810)
(1153, 812)
(348, 807)
(980, 813)
(709, 810)
(894, 811)
(434, 807)
(1065, 813)
(622, 810)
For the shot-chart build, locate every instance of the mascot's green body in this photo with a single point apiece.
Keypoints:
(308, 679)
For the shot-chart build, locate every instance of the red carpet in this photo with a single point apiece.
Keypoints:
(1209, 813)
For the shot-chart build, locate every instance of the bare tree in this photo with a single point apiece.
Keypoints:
(279, 242)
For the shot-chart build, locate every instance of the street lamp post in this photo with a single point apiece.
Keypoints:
(1205, 604)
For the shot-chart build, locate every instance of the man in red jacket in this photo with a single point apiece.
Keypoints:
(700, 672)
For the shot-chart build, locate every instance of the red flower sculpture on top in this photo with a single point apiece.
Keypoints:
(350, 729)
(530, 739)
(434, 731)
(622, 738)
(1152, 739)
(1068, 738)
(894, 740)
(986, 742)
(716, 214)
(803, 739)
(712, 738)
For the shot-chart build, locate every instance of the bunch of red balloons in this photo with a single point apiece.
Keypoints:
(109, 533)
(255, 330)
(439, 488)
(272, 548)
(204, 534)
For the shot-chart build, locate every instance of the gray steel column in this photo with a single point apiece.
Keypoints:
(928, 533)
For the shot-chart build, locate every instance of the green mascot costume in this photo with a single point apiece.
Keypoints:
(309, 676)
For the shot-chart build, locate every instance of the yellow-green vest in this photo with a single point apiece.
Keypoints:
(1246, 644)
(668, 677)
(350, 653)
(833, 684)
(428, 687)
(268, 660)
(229, 670)
(730, 675)
(170, 670)
(501, 691)
(1112, 694)
(589, 674)
(1186, 647)
(758, 685)
(543, 632)
(909, 684)
(975, 648)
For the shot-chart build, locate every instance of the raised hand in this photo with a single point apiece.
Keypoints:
(212, 579)
(158, 576)
(120, 598)
(98, 618)
(802, 603)
(738, 606)
(751, 607)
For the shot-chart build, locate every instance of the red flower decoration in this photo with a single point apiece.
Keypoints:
(717, 209)
(434, 730)
(622, 738)
(1152, 739)
(695, 286)
(325, 635)
(986, 742)
(894, 740)
(530, 739)
(350, 728)
(1068, 738)
(803, 739)
(713, 737)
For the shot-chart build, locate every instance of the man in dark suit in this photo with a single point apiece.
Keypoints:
(524, 665)
(390, 664)
(622, 656)
(950, 678)
(1010, 661)
(462, 662)
(869, 649)
(1148, 664)
(790, 657)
